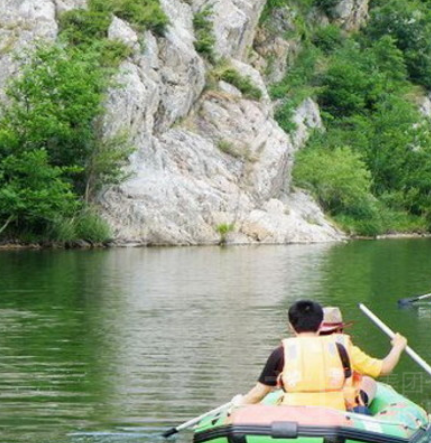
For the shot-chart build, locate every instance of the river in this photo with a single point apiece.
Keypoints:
(118, 345)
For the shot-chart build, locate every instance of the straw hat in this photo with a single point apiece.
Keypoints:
(332, 319)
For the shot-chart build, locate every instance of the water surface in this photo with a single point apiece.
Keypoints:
(119, 345)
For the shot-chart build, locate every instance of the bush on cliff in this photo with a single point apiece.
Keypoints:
(52, 106)
(142, 14)
(53, 157)
(204, 33)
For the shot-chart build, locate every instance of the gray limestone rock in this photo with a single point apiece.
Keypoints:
(351, 14)
(274, 52)
(22, 23)
(210, 165)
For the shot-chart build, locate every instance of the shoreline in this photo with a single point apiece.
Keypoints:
(81, 244)
(85, 245)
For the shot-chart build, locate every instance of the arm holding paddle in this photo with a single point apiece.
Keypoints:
(255, 395)
(418, 359)
(399, 343)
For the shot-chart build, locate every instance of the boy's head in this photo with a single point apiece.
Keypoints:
(305, 316)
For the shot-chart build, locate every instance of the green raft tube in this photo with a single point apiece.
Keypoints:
(394, 419)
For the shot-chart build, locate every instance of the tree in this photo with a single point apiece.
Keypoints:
(53, 105)
(409, 24)
(53, 155)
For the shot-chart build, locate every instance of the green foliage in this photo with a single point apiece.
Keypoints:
(327, 38)
(409, 23)
(84, 27)
(244, 84)
(270, 5)
(338, 178)
(395, 140)
(326, 6)
(106, 163)
(369, 227)
(357, 79)
(370, 170)
(111, 52)
(32, 192)
(61, 229)
(52, 123)
(383, 221)
(284, 113)
(90, 227)
(346, 90)
(143, 14)
(227, 147)
(300, 75)
(204, 33)
(85, 225)
(88, 30)
(223, 229)
(296, 86)
(375, 138)
(52, 106)
(52, 153)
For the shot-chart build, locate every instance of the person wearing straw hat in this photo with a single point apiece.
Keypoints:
(360, 389)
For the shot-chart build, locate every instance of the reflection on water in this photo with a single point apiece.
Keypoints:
(119, 345)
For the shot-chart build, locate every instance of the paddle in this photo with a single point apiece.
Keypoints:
(391, 334)
(406, 301)
(194, 421)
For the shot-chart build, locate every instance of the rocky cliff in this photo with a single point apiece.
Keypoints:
(210, 164)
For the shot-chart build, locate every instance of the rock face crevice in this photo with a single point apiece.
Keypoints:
(205, 158)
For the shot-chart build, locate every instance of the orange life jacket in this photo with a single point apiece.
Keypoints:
(313, 373)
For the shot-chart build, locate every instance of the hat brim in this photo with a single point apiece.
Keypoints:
(328, 327)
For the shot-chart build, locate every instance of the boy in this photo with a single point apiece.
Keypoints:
(310, 367)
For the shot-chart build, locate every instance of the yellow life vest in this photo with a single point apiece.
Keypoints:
(313, 374)
(353, 383)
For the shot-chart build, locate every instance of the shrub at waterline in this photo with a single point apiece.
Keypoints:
(32, 192)
(338, 178)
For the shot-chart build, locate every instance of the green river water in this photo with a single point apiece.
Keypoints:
(118, 345)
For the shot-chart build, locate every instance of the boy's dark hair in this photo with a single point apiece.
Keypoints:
(305, 316)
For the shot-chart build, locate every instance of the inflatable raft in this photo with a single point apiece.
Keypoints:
(395, 419)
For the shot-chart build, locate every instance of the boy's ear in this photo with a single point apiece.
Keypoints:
(291, 329)
(320, 327)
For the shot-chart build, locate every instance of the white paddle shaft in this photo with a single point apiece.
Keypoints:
(419, 360)
(423, 296)
(195, 420)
